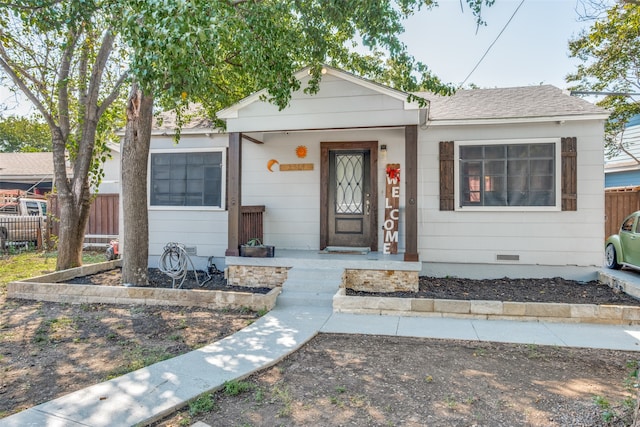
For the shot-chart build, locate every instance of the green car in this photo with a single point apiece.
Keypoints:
(623, 249)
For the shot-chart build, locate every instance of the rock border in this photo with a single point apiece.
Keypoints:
(48, 288)
(495, 310)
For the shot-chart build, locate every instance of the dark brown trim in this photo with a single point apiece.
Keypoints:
(447, 186)
(324, 185)
(252, 139)
(234, 167)
(324, 195)
(411, 188)
(569, 174)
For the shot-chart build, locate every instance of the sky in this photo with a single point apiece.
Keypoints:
(532, 50)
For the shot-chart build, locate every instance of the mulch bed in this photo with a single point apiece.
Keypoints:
(549, 290)
(158, 279)
(518, 290)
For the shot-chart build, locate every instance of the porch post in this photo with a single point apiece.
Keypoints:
(411, 188)
(234, 193)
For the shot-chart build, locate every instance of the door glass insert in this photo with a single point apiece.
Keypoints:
(349, 182)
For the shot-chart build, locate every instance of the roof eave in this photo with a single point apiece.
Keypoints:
(516, 120)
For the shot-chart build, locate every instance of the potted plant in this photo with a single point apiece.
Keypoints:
(255, 248)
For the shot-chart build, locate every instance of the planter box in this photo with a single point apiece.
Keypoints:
(263, 251)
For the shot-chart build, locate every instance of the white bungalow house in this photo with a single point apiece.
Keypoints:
(492, 182)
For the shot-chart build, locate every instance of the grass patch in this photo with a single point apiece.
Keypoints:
(139, 357)
(202, 404)
(31, 264)
(234, 388)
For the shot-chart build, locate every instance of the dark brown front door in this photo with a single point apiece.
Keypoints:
(348, 205)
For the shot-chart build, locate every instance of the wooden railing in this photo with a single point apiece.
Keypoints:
(252, 223)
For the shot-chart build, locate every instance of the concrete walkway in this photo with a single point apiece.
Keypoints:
(303, 310)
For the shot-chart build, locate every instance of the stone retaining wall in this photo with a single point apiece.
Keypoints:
(91, 294)
(381, 280)
(45, 288)
(256, 276)
(529, 311)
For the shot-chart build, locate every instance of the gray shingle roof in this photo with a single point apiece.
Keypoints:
(508, 103)
(27, 164)
(195, 118)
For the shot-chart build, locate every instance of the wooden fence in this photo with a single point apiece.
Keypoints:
(619, 202)
(104, 217)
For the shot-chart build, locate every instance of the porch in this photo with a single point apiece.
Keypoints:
(368, 271)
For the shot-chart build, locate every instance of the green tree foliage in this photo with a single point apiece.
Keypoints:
(66, 58)
(21, 134)
(610, 51)
(217, 52)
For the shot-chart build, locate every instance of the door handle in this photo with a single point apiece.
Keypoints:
(368, 207)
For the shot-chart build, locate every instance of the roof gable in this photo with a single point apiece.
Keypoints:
(304, 75)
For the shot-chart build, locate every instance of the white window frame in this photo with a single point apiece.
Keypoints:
(223, 183)
(558, 175)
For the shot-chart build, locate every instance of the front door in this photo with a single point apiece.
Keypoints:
(348, 200)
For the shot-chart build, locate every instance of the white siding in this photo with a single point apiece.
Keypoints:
(338, 104)
(206, 229)
(292, 199)
(111, 181)
(539, 238)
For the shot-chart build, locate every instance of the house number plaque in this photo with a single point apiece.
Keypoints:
(391, 209)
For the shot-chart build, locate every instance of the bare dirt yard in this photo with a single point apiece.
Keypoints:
(48, 349)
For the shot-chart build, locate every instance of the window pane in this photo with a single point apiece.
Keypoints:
(471, 152)
(541, 183)
(541, 167)
(186, 179)
(494, 152)
(525, 178)
(518, 167)
(518, 183)
(518, 151)
(542, 150)
(495, 167)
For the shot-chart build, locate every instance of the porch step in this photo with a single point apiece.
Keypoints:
(310, 287)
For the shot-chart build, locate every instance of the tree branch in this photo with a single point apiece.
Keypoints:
(4, 63)
(113, 95)
(63, 81)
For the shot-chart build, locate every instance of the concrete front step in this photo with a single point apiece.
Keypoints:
(313, 280)
(306, 299)
(319, 276)
(310, 287)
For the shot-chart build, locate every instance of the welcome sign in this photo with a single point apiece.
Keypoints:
(391, 209)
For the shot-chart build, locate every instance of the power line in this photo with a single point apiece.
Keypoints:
(587, 92)
(491, 45)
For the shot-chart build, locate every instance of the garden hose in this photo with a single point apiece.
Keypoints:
(174, 263)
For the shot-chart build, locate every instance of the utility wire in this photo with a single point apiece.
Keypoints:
(491, 45)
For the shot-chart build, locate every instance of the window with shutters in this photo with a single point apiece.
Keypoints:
(503, 175)
(190, 179)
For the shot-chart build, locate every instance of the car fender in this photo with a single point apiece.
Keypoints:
(615, 240)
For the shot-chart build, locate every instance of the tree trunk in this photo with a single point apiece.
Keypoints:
(73, 211)
(135, 155)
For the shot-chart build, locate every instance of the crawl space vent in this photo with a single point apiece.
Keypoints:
(191, 250)
(503, 257)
